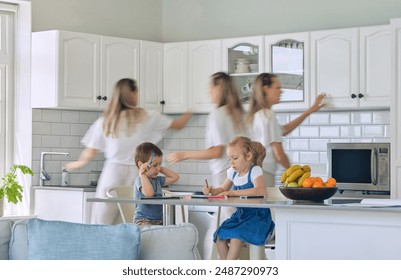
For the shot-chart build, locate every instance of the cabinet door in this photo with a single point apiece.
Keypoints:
(78, 70)
(175, 77)
(119, 59)
(204, 61)
(287, 55)
(240, 51)
(59, 205)
(375, 66)
(334, 66)
(151, 77)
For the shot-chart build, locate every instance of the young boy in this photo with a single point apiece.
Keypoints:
(148, 159)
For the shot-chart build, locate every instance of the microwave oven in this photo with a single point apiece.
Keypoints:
(363, 167)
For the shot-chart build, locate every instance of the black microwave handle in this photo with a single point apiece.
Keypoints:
(373, 166)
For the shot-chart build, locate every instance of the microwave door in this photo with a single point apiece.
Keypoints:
(373, 166)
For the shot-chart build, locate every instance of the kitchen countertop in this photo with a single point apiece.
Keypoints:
(330, 204)
(70, 188)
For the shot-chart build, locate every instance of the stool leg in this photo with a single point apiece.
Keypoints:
(257, 252)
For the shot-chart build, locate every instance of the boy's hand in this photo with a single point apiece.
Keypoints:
(143, 168)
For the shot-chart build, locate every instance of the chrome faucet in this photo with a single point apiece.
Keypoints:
(44, 176)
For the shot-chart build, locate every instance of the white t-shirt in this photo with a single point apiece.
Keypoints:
(121, 150)
(242, 180)
(266, 129)
(219, 131)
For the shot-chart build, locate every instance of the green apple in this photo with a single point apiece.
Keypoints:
(292, 184)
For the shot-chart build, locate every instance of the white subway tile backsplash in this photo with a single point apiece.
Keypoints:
(42, 128)
(62, 130)
(318, 144)
(351, 131)
(330, 131)
(381, 117)
(51, 115)
(299, 144)
(309, 132)
(373, 131)
(340, 118)
(319, 118)
(361, 117)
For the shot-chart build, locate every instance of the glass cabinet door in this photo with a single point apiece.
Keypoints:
(287, 56)
(243, 61)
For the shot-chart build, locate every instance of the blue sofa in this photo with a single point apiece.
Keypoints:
(40, 239)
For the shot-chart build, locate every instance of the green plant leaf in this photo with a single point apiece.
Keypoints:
(10, 188)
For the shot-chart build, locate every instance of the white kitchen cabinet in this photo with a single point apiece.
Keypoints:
(287, 55)
(245, 50)
(175, 77)
(395, 110)
(151, 75)
(72, 70)
(204, 59)
(352, 66)
(62, 203)
(187, 70)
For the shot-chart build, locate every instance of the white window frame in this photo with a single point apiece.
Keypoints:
(19, 114)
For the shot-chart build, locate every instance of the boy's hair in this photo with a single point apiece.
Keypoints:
(257, 150)
(145, 150)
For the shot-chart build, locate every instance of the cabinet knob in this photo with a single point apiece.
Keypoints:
(162, 102)
(98, 97)
(104, 98)
(360, 95)
(353, 95)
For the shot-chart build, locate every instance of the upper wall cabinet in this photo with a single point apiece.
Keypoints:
(187, 70)
(243, 60)
(287, 56)
(78, 71)
(151, 75)
(352, 66)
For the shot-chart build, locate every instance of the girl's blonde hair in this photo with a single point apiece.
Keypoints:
(123, 106)
(257, 150)
(229, 98)
(258, 100)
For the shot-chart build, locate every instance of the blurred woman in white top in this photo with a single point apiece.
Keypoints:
(224, 122)
(265, 127)
(122, 127)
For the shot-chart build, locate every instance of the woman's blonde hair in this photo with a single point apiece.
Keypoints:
(123, 106)
(257, 150)
(258, 99)
(229, 98)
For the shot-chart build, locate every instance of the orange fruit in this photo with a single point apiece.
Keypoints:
(308, 182)
(317, 184)
(331, 181)
(330, 185)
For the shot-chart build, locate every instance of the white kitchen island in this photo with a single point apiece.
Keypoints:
(330, 232)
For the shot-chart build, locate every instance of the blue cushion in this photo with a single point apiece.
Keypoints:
(5, 235)
(19, 241)
(57, 240)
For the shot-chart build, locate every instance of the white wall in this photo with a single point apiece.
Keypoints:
(137, 19)
(186, 20)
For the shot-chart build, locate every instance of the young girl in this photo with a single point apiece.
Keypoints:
(246, 225)
(148, 159)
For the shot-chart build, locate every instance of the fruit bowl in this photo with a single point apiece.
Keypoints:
(312, 194)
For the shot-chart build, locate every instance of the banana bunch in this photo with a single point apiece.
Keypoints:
(295, 175)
